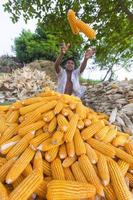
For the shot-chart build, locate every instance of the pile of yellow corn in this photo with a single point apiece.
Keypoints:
(53, 147)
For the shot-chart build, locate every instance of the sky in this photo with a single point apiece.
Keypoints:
(9, 31)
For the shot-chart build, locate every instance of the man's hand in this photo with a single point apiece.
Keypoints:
(64, 48)
(89, 54)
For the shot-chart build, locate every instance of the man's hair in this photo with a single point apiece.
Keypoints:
(69, 58)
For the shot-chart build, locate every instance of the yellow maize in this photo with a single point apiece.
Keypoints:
(103, 169)
(79, 144)
(27, 186)
(78, 174)
(19, 166)
(57, 137)
(72, 128)
(46, 168)
(2, 161)
(90, 152)
(31, 100)
(129, 148)
(119, 185)
(130, 178)
(3, 125)
(109, 193)
(70, 149)
(68, 174)
(37, 163)
(87, 122)
(65, 111)
(36, 141)
(92, 130)
(67, 162)
(59, 189)
(72, 105)
(32, 127)
(106, 149)
(80, 124)
(62, 151)
(20, 146)
(18, 181)
(111, 134)
(4, 108)
(72, 21)
(57, 170)
(27, 171)
(90, 174)
(58, 108)
(48, 106)
(102, 133)
(81, 111)
(86, 29)
(8, 145)
(9, 132)
(13, 117)
(124, 166)
(119, 140)
(52, 125)
(39, 131)
(3, 192)
(47, 145)
(42, 189)
(123, 155)
(30, 108)
(47, 117)
(5, 168)
(51, 154)
(16, 106)
(62, 122)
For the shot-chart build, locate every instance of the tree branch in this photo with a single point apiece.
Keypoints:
(126, 10)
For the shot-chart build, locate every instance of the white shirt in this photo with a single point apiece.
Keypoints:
(78, 90)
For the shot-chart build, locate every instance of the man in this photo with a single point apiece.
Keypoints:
(68, 78)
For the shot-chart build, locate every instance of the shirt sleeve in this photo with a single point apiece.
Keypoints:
(60, 73)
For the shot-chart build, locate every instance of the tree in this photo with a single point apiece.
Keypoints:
(112, 19)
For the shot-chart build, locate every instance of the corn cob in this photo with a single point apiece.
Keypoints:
(102, 133)
(7, 146)
(47, 117)
(80, 124)
(81, 111)
(21, 119)
(92, 130)
(87, 122)
(51, 154)
(62, 122)
(70, 149)
(30, 108)
(129, 148)
(62, 151)
(4, 108)
(2, 161)
(103, 169)
(13, 117)
(124, 166)
(52, 125)
(39, 131)
(72, 105)
(65, 111)
(79, 144)
(48, 106)
(3, 125)
(16, 106)
(5, 168)
(3, 192)
(109, 193)
(20, 146)
(31, 100)
(72, 128)
(58, 108)
(9, 132)
(19, 165)
(42, 189)
(91, 154)
(78, 174)
(106, 149)
(119, 140)
(59, 189)
(68, 174)
(69, 161)
(27, 186)
(46, 168)
(27, 171)
(57, 170)
(119, 185)
(32, 127)
(90, 174)
(18, 181)
(47, 145)
(57, 137)
(45, 127)
(111, 134)
(130, 177)
(72, 21)
(36, 141)
(87, 30)
(37, 163)
(30, 119)
(123, 155)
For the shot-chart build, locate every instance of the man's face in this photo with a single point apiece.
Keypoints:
(69, 65)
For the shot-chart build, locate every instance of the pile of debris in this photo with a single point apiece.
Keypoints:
(114, 99)
(23, 83)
